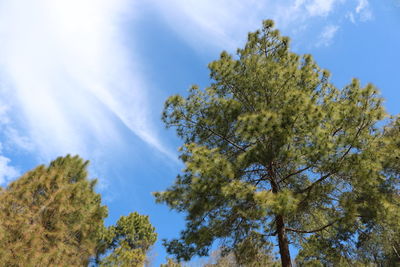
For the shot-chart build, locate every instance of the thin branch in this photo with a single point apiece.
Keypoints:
(395, 251)
(294, 173)
(310, 231)
(339, 161)
(217, 134)
(322, 178)
(337, 130)
(271, 234)
(257, 181)
(254, 170)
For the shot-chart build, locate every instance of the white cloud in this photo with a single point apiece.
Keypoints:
(327, 35)
(15, 139)
(320, 7)
(362, 4)
(7, 172)
(69, 74)
(351, 17)
(4, 119)
(224, 23)
(362, 12)
(208, 21)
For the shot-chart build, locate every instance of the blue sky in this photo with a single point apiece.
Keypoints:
(89, 77)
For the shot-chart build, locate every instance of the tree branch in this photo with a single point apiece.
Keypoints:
(395, 250)
(217, 134)
(339, 161)
(310, 231)
(322, 178)
(337, 130)
(294, 173)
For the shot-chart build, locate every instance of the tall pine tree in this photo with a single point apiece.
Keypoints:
(274, 151)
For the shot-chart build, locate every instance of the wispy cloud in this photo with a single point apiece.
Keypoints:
(66, 69)
(362, 12)
(210, 22)
(7, 172)
(224, 23)
(327, 35)
(320, 7)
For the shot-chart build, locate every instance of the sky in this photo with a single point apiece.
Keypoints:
(90, 77)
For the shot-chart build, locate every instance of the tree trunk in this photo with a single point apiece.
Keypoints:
(283, 242)
(280, 225)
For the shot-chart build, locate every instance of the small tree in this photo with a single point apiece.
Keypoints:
(272, 148)
(171, 263)
(51, 216)
(259, 257)
(126, 243)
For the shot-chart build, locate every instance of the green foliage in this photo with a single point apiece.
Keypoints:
(229, 260)
(373, 240)
(51, 216)
(272, 148)
(171, 263)
(250, 253)
(126, 243)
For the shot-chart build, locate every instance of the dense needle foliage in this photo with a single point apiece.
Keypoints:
(51, 216)
(126, 243)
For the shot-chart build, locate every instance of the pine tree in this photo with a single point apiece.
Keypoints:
(171, 263)
(126, 243)
(51, 216)
(273, 149)
(258, 257)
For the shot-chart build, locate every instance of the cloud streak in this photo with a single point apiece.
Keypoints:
(68, 73)
(327, 35)
(362, 12)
